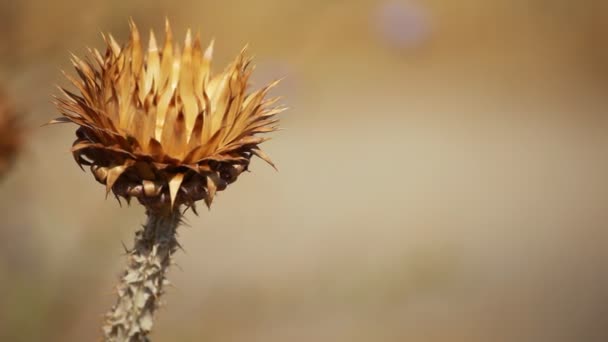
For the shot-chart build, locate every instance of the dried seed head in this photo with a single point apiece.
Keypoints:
(159, 126)
(10, 134)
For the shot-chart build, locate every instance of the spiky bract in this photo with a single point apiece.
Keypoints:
(159, 126)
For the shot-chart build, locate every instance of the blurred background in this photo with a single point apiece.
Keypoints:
(442, 176)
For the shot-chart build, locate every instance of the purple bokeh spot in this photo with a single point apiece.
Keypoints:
(402, 24)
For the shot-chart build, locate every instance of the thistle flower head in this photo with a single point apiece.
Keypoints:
(158, 125)
(10, 134)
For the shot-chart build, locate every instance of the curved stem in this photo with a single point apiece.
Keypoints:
(141, 286)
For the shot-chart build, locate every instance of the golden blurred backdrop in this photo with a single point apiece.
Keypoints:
(442, 176)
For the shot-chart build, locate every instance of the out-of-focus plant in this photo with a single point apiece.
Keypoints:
(10, 134)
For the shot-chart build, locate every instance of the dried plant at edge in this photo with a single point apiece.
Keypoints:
(158, 126)
(10, 134)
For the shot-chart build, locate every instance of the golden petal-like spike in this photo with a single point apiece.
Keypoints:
(197, 59)
(263, 129)
(267, 113)
(205, 70)
(272, 101)
(149, 118)
(220, 90)
(209, 51)
(137, 56)
(251, 101)
(248, 108)
(113, 174)
(62, 119)
(186, 84)
(210, 146)
(152, 45)
(195, 154)
(188, 41)
(152, 77)
(211, 190)
(261, 123)
(175, 68)
(229, 124)
(170, 67)
(179, 136)
(167, 138)
(174, 185)
(153, 68)
(79, 85)
(137, 123)
(166, 58)
(197, 131)
(234, 111)
(98, 57)
(112, 106)
(114, 46)
(244, 50)
(162, 109)
(246, 141)
(258, 152)
(273, 85)
(207, 112)
(167, 26)
(237, 94)
(86, 73)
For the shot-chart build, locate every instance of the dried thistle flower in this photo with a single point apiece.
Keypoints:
(10, 134)
(157, 125)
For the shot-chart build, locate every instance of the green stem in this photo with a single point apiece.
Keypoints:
(141, 285)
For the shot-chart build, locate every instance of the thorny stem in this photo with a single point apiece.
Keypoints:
(141, 285)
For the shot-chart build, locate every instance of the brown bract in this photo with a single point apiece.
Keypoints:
(10, 134)
(156, 124)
